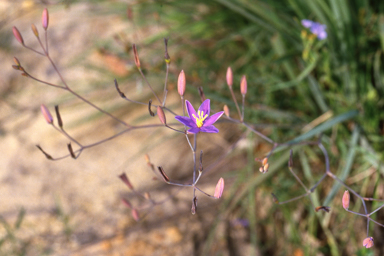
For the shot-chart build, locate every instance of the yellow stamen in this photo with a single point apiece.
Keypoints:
(200, 119)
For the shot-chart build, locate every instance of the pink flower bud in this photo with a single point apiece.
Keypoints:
(34, 29)
(181, 83)
(243, 85)
(127, 203)
(368, 242)
(346, 198)
(125, 179)
(219, 188)
(47, 115)
(135, 214)
(45, 19)
(229, 77)
(226, 110)
(17, 35)
(136, 55)
(161, 115)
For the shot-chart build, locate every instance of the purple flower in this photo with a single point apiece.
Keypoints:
(315, 28)
(200, 121)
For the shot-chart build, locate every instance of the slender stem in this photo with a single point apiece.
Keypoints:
(298, 179)
(294, 199)
(67, 135)
(174, 129)
(357, 213)
(194, 162)
(258, 133)
(242, 115)
(376, 210)
(376, 223)
(43, 82)
(46, 41)
(165, 84)
(203, 192)
(97, 108)
(318, 182)
(29, 48)
(149, 85)
(234, 100)
(146, 104)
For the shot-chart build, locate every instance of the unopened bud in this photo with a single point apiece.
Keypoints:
(194, 205)
(265, 161)
(59, 120)
(346, 199)
(323, 208)
(161, 115)
(47, 115)
(17, 62)
(219, 188)
(243, 85)
(166, 55)
(261, 169)
(229, 77)
(368, 242)
(265, 167)
(226, 110)
(127, 203)
(125, 179)
(135, 214)
(162, 173)
(129, 13)
(290, 161)
(45, 153)
(17, 35)
(136, 55)
(181, 83)
(149, 108)
(70, 149)
(45, 19)
(201, 93)
(274, 197)
(34, 29)
(147, 196)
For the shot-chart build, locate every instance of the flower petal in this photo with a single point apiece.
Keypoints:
(209, 129)
(213, 118)
(322, 35)
(194, 130)
(205, 107)
(186, 121)
(306, 23)
(191, 111)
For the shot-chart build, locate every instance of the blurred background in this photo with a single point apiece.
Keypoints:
(298, 88)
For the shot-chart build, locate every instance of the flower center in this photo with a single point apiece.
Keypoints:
(200, 119)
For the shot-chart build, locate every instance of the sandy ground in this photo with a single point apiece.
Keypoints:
(73, 207)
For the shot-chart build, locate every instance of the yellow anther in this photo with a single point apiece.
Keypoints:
(200, 119)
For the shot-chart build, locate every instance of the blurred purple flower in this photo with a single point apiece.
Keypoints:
(200, 121)
(315, 28)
